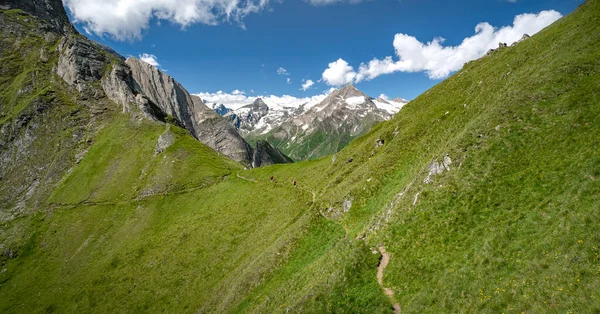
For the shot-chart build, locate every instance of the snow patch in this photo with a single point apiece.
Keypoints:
(391, 107)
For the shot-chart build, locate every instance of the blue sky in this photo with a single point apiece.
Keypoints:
(245, 53)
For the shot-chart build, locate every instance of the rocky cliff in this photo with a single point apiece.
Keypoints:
(51, 12)
(265, 154)
(202, 122)
(214, 131)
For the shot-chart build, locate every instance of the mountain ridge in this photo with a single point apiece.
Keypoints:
(344, 114)
(481, 195)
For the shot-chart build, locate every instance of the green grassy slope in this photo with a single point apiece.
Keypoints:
(512, 227)
(130, 230)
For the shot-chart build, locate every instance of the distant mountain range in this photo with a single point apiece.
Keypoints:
(312, 130)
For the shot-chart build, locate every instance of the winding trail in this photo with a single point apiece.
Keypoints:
(244, 178)
(385, 259)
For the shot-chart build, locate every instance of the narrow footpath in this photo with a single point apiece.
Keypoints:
(385, 259)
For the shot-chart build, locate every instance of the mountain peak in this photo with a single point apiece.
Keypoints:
(348, 87)
(400, 100)
(380, 99)
(258, 103)
(348, 90)
(221, 109)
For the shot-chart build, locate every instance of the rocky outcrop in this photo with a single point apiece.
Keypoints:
(119, 87)
(164, 91)
(80, 62)
(50, 11)
(165, 141)
(214, 131)
(437, 168)
(265, 154)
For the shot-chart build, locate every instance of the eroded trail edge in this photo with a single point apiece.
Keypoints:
(385, 259)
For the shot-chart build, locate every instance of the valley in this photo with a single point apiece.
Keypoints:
(121, 192)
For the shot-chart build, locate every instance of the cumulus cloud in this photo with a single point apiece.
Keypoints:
(435, 59)
(384, 96)
(307, 84)
(236, 101)
(127, 19)
(150, 59)
(282, 71)
(338, 73)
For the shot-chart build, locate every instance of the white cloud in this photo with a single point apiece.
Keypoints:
(384, 96)
(150, 59)
(339, 73)
(435, 59)
(282, 71)
(289, 80)
(307, 84)
(238, 92)
(127, 19)
(236, 101)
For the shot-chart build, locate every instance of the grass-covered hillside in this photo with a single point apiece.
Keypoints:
(507, 223)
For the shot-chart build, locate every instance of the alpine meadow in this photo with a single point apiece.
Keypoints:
(121, 192)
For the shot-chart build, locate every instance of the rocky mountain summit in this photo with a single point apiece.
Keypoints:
(317, 129)
(221, 109)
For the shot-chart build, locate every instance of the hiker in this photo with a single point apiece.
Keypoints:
(272, 178)
(294, 182)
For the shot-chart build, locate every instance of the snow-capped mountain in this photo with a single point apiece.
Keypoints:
(316, 128)
(220, 109)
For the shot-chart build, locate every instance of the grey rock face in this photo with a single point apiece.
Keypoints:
(214, 131)
(119, 87)
(80, 62)
(50, 11)
(189, 111)
(265, 154)
(165, 140)
(347, 205)
(164, 91)
(436, 168)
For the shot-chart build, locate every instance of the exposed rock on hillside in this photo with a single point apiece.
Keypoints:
(190, 111)
(80, 62)
(50, 11)
(265, 154)
(214, 131)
